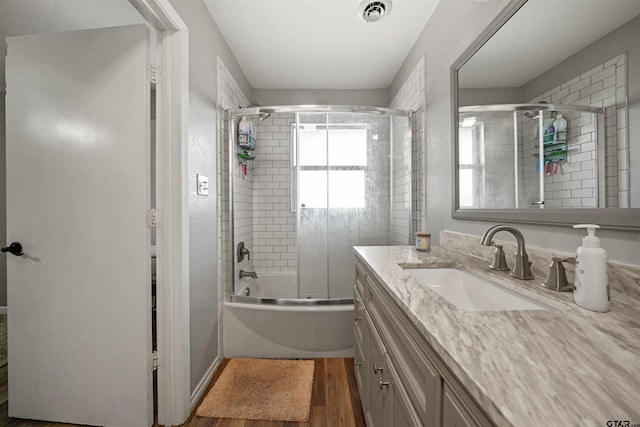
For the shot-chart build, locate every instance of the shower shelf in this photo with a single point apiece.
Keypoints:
(559, 141)
(244, 155)
(566, 151)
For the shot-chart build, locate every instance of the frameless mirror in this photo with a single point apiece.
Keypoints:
(547, 116)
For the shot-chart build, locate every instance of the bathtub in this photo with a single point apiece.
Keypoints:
(270, 323)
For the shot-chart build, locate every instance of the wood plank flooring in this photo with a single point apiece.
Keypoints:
(335, 402)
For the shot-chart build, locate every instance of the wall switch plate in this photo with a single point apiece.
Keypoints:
(203, 185)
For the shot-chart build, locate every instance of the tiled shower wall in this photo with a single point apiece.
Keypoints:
(575, 184)
(400, 227)
(274, 225)
(411, 96)
(229, 97)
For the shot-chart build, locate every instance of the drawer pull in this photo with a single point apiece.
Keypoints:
(358, 363)
(377, 369)
(383, 384)
(357, 318)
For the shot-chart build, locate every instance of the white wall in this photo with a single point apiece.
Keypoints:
(450, 30)
(21, 17)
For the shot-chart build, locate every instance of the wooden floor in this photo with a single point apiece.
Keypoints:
(335, 401)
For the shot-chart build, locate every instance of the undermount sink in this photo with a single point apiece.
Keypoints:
(473, 293)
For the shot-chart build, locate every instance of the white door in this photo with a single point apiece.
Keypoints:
(77, 196)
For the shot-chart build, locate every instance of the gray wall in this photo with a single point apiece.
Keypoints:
(205, 41)
(22, 17)
(454, 26)
(370, 97)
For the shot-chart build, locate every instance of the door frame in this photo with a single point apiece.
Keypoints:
(172, 234)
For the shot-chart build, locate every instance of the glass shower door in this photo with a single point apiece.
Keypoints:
(340, 204)
(311, 153)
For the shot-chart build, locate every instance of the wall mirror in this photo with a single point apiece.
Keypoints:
(546, 116)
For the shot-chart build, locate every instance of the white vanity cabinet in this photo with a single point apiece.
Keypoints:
(402, 382)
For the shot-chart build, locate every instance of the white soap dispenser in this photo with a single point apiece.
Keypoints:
(591, 288)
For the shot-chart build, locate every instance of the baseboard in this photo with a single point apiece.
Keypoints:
(3, 309)
(204, 383)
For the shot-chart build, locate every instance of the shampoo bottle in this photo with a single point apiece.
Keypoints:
(244, 130)
(591, 288)
(560, 127)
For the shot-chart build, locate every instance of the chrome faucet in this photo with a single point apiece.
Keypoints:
(251, 274)
(522, 267)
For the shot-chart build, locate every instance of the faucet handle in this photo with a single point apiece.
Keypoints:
(242, 251)
(499, 262)
(557, 277)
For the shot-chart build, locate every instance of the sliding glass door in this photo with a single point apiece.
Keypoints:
(342, 166)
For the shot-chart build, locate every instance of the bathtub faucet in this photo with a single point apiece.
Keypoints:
(251, 274)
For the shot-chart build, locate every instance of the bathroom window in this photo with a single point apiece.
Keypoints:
(332, 165)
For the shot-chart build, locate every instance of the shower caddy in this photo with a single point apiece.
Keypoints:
(246, 144)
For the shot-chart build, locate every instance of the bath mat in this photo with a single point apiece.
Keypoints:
(3, 340)
(261, 389)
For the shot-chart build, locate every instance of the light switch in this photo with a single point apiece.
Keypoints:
(203, 185)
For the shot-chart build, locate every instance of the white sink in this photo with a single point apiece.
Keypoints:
(472, 293)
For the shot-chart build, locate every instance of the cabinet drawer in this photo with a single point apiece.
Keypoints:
(360, 369)
(409, 354)
(361, 278)
(359, 317)
(376, 368)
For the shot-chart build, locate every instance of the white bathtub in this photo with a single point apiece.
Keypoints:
(252, 329)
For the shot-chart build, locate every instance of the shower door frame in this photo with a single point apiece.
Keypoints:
(232, 115)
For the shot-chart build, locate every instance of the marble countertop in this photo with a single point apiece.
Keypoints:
(566, 366)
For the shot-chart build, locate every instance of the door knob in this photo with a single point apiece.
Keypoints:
(14, 248)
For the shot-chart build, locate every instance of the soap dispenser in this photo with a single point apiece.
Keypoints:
(591, 287)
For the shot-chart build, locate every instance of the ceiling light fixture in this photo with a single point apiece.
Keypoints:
(374, 11)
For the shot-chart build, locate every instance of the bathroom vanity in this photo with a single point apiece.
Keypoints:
(423, 361)
(401, 380)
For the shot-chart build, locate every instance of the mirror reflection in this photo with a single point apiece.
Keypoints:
(548, 110)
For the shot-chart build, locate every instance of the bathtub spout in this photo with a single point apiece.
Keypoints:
(251, 274)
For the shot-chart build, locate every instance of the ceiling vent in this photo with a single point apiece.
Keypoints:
(373, 11)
